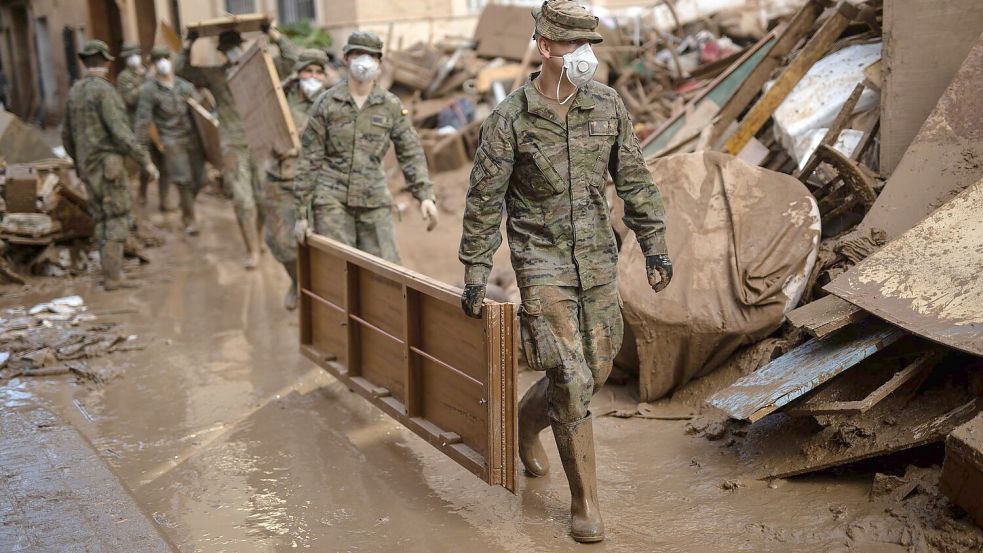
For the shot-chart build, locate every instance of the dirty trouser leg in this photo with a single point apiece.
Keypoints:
(238, 177)
(164, 181)
(330, 218)
(281, 209)
(178, 164)
(109, 204)
(376, 232)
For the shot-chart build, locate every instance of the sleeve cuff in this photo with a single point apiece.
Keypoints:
(653, 244)
(476, 274)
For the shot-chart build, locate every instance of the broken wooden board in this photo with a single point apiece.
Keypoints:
(815, 48)
(825, 315)
(928, 280)
(803, 369)
(208, 133)
(942, 160)
(962, 472)
(783, 446)
(259, 98)
(400, 339)
(243, 23)
(925, 41)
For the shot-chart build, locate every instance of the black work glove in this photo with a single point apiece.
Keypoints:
(471, 300)
(658, 266)
(265, 27)
(192, 36)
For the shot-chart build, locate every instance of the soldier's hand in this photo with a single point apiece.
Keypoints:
(428, 209)
(191, 38)
(152, 171)
(300, 231)
(658, 268)
(471, 300)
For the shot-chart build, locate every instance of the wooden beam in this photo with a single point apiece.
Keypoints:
(803, 369)
(825, 315)
(833, 133)
(817, 46)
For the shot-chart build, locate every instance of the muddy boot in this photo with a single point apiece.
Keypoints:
(290, 301)
(533, 419)
(112, 267)
(260, 223)
(576, 444)
(188, 210)
(247, 225)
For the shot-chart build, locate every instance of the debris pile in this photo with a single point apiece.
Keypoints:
(58, 337)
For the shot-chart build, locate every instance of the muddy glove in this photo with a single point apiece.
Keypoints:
(300, 231)
(471, 300)
(658, 268)
(191, 38)
(428, 209)
(152, 171)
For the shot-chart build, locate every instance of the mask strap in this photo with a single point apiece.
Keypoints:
(560, 80)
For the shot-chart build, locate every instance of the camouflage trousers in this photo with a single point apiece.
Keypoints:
(369, 229)
(280, 208)
(109, 198)
(573, 335)
(184, 165)
(240, 178)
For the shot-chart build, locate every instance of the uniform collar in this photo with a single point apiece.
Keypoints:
(535, 104)
(376, 96)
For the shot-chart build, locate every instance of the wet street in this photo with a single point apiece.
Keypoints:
(230, 441)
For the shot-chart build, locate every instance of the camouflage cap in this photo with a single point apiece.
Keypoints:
(159, 52)
(129, 48)
(229, 39)
(363, 41)
(311, 56)
(565, 20)
(96, 48)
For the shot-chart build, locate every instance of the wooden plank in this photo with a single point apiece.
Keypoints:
(243, 23)
(796, 29)
(208, 133)
(400, 339)
(927, 281)
(962, 472)
(833, 133)
(825, 315)
(803, 369)
(817, 46)
(259, 98)
(925, 42)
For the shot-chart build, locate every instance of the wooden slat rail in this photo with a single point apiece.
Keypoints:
(400, 339)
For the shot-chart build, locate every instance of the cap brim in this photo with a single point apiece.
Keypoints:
(350, 47)
(107, 57)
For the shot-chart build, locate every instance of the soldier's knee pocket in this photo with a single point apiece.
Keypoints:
(539, 345)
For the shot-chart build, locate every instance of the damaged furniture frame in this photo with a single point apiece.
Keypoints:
(401, 340)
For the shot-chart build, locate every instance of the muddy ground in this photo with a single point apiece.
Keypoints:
(230, 440)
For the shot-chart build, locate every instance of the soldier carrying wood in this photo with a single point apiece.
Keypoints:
(543, 153)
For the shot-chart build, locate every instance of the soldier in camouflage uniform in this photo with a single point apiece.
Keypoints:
(544, 153)
(128, 83)
(348, 134)
(164, 102)
(240, 175)
(96, 134)
(280, 204)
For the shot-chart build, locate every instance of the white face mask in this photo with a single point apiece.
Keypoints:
(579, 67)
(233, 54)
(364, 68)
(310, 86)
(163, 66)
(133, 61)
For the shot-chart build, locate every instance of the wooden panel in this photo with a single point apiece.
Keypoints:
(928, 280)
(243, 23)
(803, 369)
(826, 315)
(255, 85)
(208, 133)
(403, 343)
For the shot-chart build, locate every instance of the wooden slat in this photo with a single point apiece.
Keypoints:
(208, 133)
(833, 133)
(825, 315)
(243, 23)
(803, 369)
(817, 46)
(409, 349)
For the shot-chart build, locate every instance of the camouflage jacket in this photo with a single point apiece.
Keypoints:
(96, 125)
(167, 108)
(285, 168)
(550, 176)
(215, 79)
(343, 147)
(128, 84)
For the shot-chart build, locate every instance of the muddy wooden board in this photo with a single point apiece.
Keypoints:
(928, 280)
(942, 160)
(208, 133)
(255, 85)
(801, 370)
(925, 41)
(401, 340)
(243, 23)
(825, 315)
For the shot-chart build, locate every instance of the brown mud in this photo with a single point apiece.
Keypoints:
(232, 441)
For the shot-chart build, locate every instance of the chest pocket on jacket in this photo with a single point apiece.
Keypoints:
(602, 134)
(375, 135)
(538, 179)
